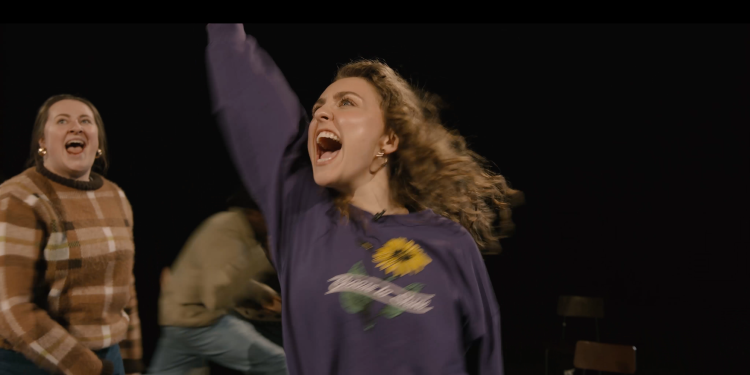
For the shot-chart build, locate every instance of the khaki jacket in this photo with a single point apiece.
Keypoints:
(216, 272)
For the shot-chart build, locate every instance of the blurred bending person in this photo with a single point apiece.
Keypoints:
(212, 294)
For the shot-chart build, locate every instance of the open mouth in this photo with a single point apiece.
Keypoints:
(75, 146)
(328, 145)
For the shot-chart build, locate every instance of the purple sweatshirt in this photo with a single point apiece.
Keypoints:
(403, 295)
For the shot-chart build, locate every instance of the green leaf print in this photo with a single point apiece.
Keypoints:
(353, 302)
(391, 312)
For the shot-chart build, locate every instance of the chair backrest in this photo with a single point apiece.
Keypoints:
(604, 357)
(585, 307)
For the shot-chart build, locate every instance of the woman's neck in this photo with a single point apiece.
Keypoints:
(84, 176)
(375, 196)
(95, 182)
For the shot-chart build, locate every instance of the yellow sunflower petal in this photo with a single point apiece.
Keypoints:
(400, 256)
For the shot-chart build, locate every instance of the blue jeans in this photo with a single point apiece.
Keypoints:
(15, 363)
(231, 342)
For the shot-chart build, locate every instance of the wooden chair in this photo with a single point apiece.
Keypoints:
(579, 307)
(604, 357)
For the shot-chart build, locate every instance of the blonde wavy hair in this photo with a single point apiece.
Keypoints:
(433, 168)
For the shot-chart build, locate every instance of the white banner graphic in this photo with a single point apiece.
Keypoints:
(381, 291)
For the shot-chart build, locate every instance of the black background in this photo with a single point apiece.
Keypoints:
(629, 141)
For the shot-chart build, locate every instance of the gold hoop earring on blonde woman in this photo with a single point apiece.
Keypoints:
(42, 151)
(380, 154)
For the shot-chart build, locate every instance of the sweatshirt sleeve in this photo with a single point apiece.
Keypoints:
(264, 126)
(481, 312)
(23, 324)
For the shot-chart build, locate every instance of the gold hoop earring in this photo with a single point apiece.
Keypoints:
(385, 161)
(385, 158)
(99, 153)
(42, 151)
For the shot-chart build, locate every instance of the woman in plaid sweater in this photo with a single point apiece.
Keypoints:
(67, 291)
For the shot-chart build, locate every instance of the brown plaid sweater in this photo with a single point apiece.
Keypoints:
(66, 272)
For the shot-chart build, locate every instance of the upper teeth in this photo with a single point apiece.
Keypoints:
(75, 142)
(327, 134)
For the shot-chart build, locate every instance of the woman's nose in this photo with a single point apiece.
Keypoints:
(323, 114)
(76, 128)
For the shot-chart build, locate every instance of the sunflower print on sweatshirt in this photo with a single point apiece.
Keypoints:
(357, 290)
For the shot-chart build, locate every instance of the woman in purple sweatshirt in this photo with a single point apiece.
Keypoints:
(376, 214)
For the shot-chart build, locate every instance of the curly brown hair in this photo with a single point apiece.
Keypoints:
(433, 168)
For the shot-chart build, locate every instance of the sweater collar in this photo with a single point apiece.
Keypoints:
(95, 181)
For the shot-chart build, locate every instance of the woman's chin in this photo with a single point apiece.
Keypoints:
(327, 180)
(77, 170)
(321, 179)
